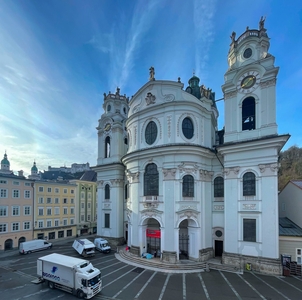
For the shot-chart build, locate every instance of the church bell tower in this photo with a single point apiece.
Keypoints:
(250, 152)
(112, 145)
(249, 88)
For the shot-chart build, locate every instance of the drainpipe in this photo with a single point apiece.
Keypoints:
(33, 210)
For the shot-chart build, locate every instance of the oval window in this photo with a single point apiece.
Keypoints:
(187, 128)
(151, 133)
(247, 53)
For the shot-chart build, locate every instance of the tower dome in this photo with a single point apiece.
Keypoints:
(34, 169)
(193, 87)
(5, 163)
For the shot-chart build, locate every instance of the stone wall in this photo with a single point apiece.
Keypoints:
(205, 254)
(135, 250)
(169, 257)
(251, 263)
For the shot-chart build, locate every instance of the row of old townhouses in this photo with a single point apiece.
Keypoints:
(36, 208)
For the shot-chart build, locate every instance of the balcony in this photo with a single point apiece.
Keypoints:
(151, 201)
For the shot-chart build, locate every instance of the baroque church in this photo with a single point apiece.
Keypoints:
(171, 183)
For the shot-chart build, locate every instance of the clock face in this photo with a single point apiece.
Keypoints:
(107, 127)
(248, 82)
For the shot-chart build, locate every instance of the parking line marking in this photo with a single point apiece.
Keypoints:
(119, 277)
(145, 285)
(262, 297)
(184, 291)
(298, 278)
(270, 286)
(118, 263)
(232, 288)
(164, 287)
(290, 284)
(115, 271)
(127, 285)
(204, 287)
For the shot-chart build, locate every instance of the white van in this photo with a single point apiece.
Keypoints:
(102, 245)
(32, 246)
(84, 247)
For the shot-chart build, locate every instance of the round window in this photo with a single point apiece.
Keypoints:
(218, 233)
(151, 133)
(247, 53)
(187, 128)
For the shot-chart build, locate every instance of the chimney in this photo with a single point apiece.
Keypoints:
(20, 173)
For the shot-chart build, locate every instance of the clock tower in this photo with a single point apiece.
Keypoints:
(250, 152)
(249, 88)
(112, 145)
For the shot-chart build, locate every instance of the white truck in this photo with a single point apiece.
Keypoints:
(102, 245)
(84, 247)
(74, 275)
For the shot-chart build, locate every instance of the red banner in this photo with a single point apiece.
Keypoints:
(153, 233)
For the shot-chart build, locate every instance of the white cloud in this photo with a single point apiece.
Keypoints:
(204, 11)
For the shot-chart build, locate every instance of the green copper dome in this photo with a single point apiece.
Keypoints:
(5, 161)
(34, 168)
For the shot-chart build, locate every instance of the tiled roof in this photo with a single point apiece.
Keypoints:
(298, 183)
(289, 228)
(89, 176)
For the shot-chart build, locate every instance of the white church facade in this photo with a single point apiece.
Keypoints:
(170, 182)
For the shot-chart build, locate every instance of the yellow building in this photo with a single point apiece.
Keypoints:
(54, 210)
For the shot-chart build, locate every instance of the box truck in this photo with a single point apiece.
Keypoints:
(84, 247)
(32, 246)
(102, 245)
(74, 275)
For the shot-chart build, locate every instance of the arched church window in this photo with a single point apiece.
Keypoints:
(218, 187)
(108, 107)
(248, 114)
(151, 180)
(249, 184)
(151, 133)
(107, 147)
(188, 186)
(107, 192)
(187, 128)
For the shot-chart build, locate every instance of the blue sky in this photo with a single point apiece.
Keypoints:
(58, 57)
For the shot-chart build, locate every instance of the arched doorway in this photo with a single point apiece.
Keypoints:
(183, 240)
(8, 245)
(153, 236)
(189, 239)
(21, 240)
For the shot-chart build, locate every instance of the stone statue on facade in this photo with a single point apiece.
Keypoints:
(152, 73)
(233, 36)
(261, 23)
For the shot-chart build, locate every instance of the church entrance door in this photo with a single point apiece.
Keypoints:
(218, 248)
